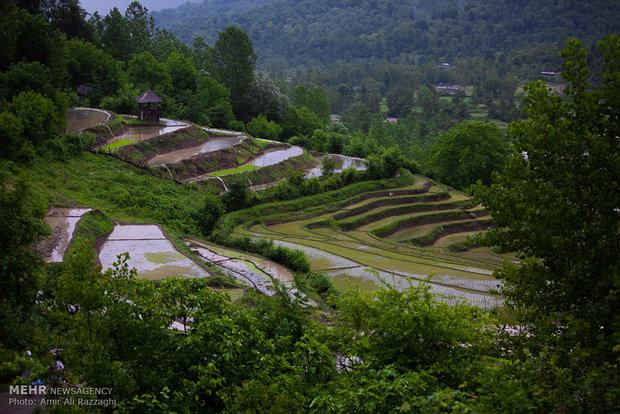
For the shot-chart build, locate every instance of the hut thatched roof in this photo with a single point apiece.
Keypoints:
(148, 97)
(84, 90)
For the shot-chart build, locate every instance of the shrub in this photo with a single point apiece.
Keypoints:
(261, 127)
(209, 213)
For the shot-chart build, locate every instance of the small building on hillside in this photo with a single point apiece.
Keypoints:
(83, 91)
(149, 106)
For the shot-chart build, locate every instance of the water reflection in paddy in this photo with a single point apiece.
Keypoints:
(346, 273)
(342, 163)
(238, 269)
(141, 133)
(275, 156)
(81, 118)
(151, 253)
(62, 221)
(214, 144)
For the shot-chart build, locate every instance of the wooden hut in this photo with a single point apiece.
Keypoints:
(83, 91)
(149, 106)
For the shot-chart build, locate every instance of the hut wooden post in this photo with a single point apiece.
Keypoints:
(149, 106)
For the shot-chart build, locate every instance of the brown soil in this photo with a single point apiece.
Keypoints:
(231, 157)
(276, 172)
(143, 151)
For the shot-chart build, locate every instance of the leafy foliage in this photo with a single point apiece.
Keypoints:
(468, 152)
(556, 205)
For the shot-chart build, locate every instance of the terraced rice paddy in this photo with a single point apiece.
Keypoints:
(62, 222)
(151, 253)
(213, 144)
(259, 273)
(342, 163)
(344, 245)
(82, 118)
(141, 133)
(275, 156)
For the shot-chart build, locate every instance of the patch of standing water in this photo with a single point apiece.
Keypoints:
(345, 272)
(62, 221)
(370, 280)
(237, 269)
(150, 253)
(137, 133)
(319, 259)
(213, 144)
(82, 118)
(343, 162)
(275, 156)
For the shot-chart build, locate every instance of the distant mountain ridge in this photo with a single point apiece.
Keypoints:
(191, 15)
(291, 33)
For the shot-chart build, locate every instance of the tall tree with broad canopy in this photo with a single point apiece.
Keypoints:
(556, 204)
(468, 152)
(233, 61)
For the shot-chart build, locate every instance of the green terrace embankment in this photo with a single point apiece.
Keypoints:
(142, 151)
(414, 221)
(398, 211)
(239, 154)
(450, 228)
(275, 172)
(315, 205)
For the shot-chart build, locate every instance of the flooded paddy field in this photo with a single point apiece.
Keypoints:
(255, 271)
(275, 156)
(141, 133)
(212, 145)
(151, 253)
(62, 222)
(342, 163)
(347, 255)
(82, 118)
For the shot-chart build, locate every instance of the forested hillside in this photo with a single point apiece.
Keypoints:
(291, 33)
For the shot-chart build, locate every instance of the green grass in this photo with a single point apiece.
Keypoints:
(111, 147)
(233, 170)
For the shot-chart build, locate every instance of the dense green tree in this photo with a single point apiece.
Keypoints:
(113, 34)
(399, 348)
(140, 27)
(357, 117)
(182, 72)
(40, 116)
(468, 152)
(314, 99)
(91, 66)
(260, 127)
(236, 198)
(428, 99)
(145, 72)
(399, 101)
(68, 17)
(11, 135)
(210, 105)
(556, 204)
(23, 224)
(300, 121)
(209, 213)
(263, 96)
(26, 76)
(233, 60)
